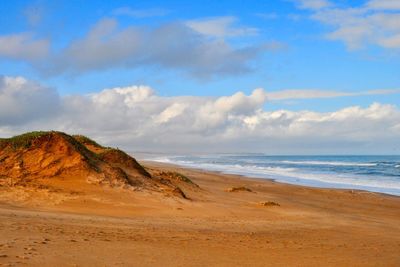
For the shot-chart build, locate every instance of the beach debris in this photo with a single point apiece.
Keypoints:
(238, 189)
(175, 176)
(178, 192)
(268, 203)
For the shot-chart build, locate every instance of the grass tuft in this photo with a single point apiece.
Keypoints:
(238, 189)
(86, 140)
(22, 141)
(176, 176)
(269, 203)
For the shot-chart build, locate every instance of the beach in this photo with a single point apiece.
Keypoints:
(227, 221)
(205, 134)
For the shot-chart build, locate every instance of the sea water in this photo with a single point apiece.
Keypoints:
(372, 173)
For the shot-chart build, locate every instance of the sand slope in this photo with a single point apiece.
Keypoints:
(58, 162)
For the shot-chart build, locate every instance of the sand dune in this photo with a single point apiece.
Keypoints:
(56, 161)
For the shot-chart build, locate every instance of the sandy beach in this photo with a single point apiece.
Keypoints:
(261, 223)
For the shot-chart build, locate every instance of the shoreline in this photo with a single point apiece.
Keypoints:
(275, 180)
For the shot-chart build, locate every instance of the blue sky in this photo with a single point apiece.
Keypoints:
(306, 60)
(209, 49)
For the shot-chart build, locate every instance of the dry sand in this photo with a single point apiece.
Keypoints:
(87, 225)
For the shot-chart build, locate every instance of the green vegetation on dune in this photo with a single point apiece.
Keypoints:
(176, 176)
(92, 152)
(238, 189)
(118, 156)
(86, 140)
(23, 140)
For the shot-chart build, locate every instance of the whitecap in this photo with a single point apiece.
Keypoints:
(333, 163)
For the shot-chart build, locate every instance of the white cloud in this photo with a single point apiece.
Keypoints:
(377, 22)
(313, 4)
(171, 46)
(128, 95)
(23, 46)
(384, 4)
(391, 42)
(196, 48)
(22, 101)
(136, 118)
(310, 94)
(170, 112)
(220, 27)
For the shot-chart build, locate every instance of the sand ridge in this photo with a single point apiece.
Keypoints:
(55, 161)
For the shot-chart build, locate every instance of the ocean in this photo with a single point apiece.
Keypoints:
(371, 173)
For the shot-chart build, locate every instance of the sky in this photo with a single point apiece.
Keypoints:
(274, 77)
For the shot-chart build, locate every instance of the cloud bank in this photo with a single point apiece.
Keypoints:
(173, 46)
(198, 48)
(136, 118)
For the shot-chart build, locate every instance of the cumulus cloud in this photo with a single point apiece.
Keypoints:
(23, 46)
(22, 101)
(310, 94)
(137, 118)
(377, 22)
(173, 46)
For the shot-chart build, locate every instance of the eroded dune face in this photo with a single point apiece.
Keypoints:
(39, 158)
(43, 155)
(46, 155)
